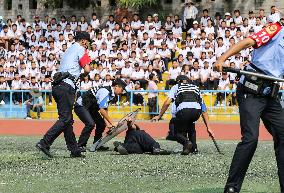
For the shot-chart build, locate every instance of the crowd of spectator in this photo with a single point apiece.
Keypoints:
(138, 50)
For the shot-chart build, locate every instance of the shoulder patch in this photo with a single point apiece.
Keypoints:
(266, 34)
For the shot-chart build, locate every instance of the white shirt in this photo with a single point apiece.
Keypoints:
(275, 17)
(195, 73)
(126, 72)
(138, 74)
(95, 23)
(97, 84)
(204, 20)
(194, 33)
(209, 30)
(174, 72)
(224, 84)
(205, 73)
(4, 86)
(24, 85)
(46, 85)
(86, 85)
(16, 84)
(190, 12)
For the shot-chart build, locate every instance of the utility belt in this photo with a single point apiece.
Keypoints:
(259, 86)
(60, 76)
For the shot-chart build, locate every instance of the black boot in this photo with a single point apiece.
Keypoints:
(43, 149)
(187, 148)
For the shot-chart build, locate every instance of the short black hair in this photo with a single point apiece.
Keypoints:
(151, 76)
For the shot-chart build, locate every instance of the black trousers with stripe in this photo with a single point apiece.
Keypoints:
(252, 108)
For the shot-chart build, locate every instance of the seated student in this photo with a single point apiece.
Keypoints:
(138, 96)
(137, 141)
(35, 103)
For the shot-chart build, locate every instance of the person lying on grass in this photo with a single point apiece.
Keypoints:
(137, 141)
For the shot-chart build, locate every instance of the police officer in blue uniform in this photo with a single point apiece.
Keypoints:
(91, 108)
(257, 99)
(189, 107)
(64, 88)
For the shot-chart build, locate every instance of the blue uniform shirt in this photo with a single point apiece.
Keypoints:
(183, 105)
(269, 57)
(103, 96)
(70, 61)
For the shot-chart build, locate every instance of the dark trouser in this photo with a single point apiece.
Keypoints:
(220, 97)
(138, 141)
(206, 84)
(153, 110)
(160, 75)
(185, 118)
(189, 24)
(138, 99)
(172, 127)
(2, 96)
(89, 117)
(26, 96)
(64, 96)
(192, 135)
(170, 83)
(166, 62)
(16, 96)
(49, 94)
(196, 82)
(36, 109)
(214, 84)
(253, 108)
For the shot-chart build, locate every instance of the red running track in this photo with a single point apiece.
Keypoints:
(224, 131)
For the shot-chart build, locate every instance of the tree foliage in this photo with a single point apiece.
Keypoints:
(137, 4)
(82, 4)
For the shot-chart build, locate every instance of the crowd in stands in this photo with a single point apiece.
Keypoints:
(138, 50)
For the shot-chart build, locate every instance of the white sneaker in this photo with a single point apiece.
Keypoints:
(2, 103)
(28, 118)
(126, 103)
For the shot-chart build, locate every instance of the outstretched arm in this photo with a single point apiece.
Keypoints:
(246, 43)
(205, 118)
(163, 110)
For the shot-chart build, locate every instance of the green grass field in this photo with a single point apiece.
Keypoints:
(24, 169)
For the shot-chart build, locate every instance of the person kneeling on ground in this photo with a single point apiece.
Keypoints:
(137, 141)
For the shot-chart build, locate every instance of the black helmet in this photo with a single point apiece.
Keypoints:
(181, 78)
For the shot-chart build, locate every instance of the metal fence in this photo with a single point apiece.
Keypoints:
(209, 95)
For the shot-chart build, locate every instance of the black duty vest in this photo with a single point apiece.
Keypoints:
(89, 97)
(187, 93)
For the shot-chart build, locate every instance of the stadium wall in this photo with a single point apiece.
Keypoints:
(11, 8)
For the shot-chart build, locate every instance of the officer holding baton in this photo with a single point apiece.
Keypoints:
(63, 90)
(257, 99)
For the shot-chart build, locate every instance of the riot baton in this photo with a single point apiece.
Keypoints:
(244, 72)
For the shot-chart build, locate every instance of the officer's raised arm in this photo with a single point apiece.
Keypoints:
(256, 40)
(246, 43)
